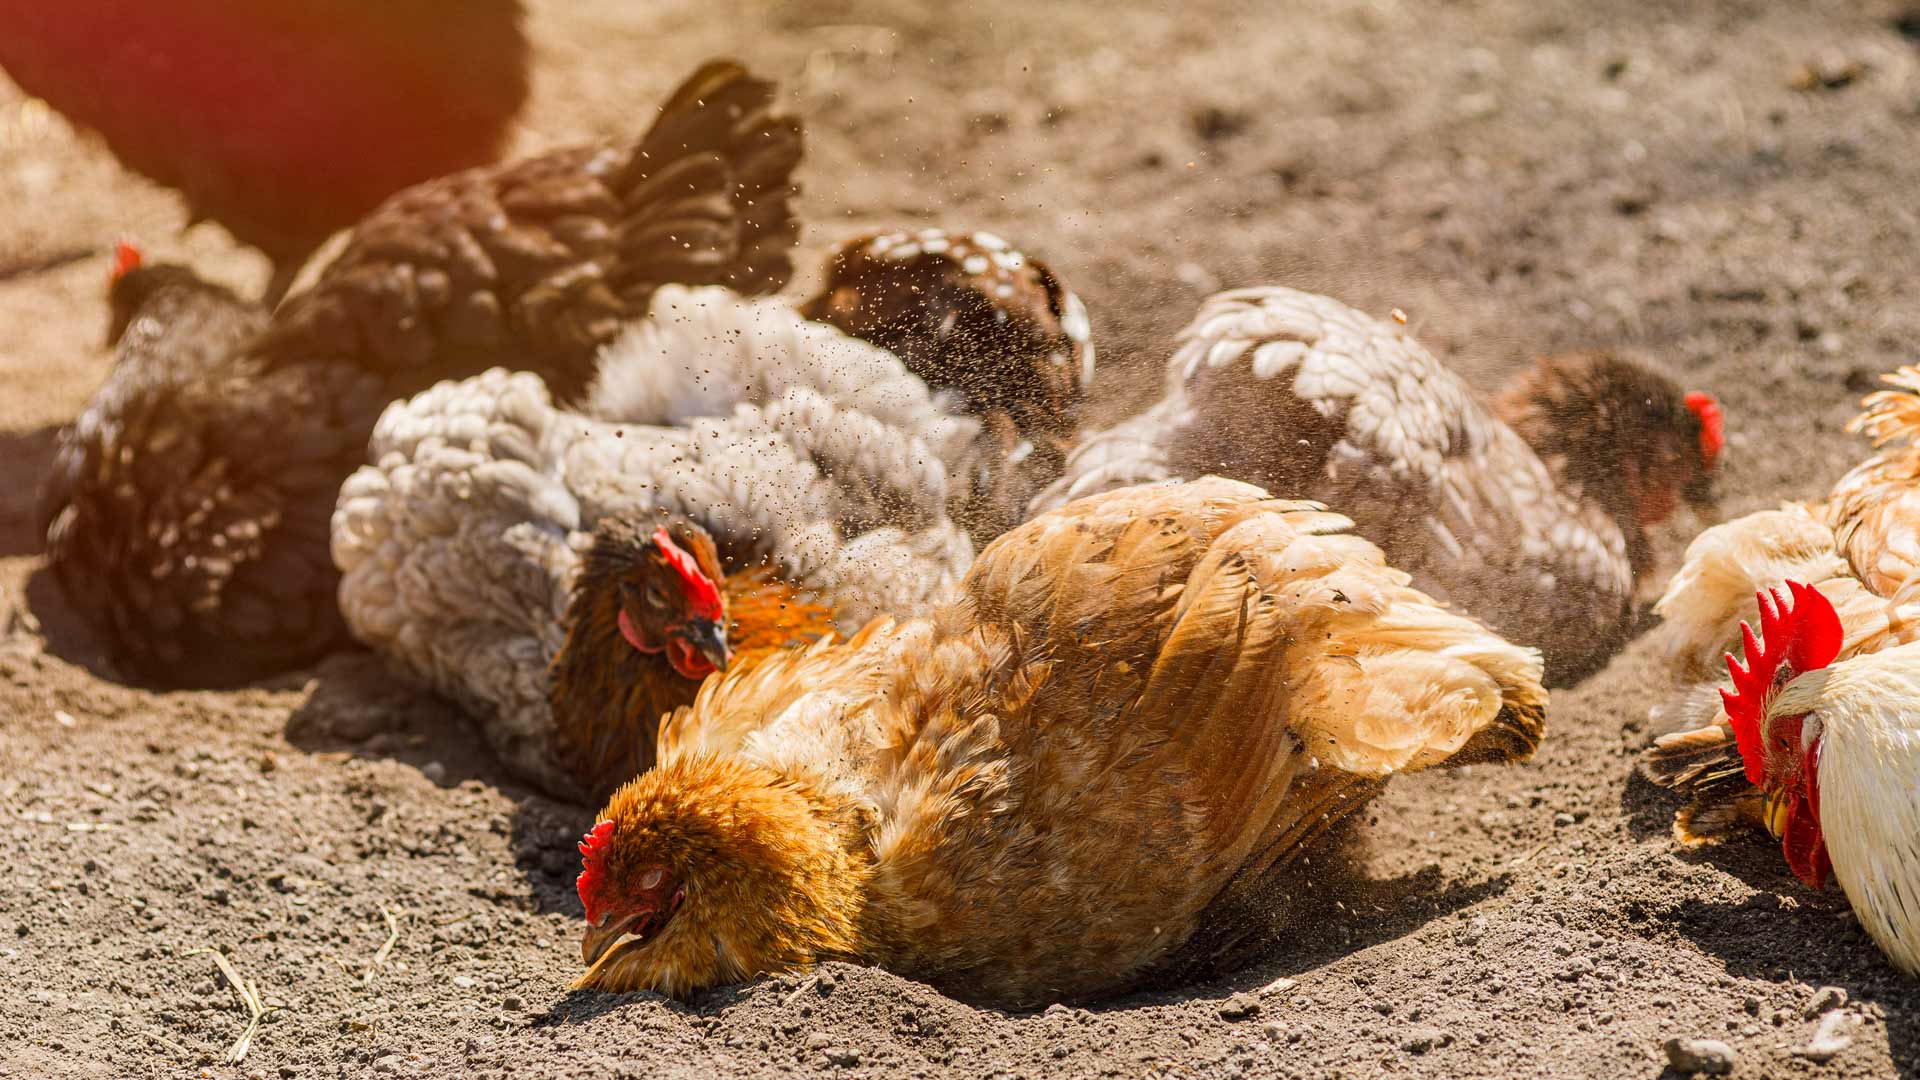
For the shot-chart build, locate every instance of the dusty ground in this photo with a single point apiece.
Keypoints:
(1516, 176)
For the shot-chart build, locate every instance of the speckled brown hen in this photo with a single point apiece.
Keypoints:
(1309, 397)
(986, 324)
(187, 510)
(1141, 708)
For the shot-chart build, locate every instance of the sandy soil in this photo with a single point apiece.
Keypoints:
(1516, 176)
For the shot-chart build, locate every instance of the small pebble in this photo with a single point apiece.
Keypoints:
(1690, 1056)
(388, 1064)
(819, 1040)
(1824, 999)
(844, 1056)
(1239, 1007)
(463, 982)
(1576, 968)
(434, 772)
(512, 1003)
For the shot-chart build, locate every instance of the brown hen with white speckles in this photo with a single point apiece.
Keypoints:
(985, 323)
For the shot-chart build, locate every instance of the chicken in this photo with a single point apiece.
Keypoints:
(1835, 749)
(188, 505)
(283, 121)
(1615, 434)
(186, 508)
(1858, 549)
(1304, 395)
(568, 579)
(981, 321)
(1141, 708)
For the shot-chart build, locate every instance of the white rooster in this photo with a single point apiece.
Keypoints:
(1834, 748)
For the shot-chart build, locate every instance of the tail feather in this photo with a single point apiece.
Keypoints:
(1702, 761)
(1513, 735)
(1892, 415)
(537, 264)
(723, 115)
(1709, 821)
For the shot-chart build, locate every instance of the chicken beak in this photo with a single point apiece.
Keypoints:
(599, 940)
(1774, 812)
(710, 640)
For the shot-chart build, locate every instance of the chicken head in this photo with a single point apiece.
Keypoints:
(1779, 739)
(666, 587)
(708, 870)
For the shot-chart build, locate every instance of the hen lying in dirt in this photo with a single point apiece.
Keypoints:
(186, 513)
(706, 351)
(569, 579)
(1140, 708)
(1303, 395)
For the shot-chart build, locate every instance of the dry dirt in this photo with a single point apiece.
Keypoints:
(1516, 176)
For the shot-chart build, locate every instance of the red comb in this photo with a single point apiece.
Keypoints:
(593, 867)
(703, 596)
(1805, 638)
(1713, 425)
(126, 257)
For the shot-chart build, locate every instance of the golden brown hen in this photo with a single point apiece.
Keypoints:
(1176, 686)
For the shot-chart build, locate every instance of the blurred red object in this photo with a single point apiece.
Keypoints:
(283, 120)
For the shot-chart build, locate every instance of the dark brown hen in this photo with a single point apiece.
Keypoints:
(981, 321)
(187, 513)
